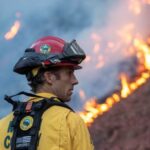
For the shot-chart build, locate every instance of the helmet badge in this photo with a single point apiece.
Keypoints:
(45, 49)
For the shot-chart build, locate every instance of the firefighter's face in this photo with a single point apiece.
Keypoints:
(63, 83)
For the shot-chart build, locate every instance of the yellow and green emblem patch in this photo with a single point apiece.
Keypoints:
(26, 123)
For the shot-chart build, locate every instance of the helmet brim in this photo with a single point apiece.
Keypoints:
(74, 66)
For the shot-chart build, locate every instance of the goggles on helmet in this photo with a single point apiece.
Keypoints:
(72, 53)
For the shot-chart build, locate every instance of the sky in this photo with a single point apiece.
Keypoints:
(89, 22)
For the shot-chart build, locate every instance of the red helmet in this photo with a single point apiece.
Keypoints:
(49, 52)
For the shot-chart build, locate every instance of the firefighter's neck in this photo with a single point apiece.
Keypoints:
(46, 88)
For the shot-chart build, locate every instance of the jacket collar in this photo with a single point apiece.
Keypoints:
(46, 95)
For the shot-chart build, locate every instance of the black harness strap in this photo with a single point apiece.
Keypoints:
(27, 121)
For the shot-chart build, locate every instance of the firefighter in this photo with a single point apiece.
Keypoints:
(49, 66)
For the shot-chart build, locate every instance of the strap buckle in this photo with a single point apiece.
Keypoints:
(28, 107)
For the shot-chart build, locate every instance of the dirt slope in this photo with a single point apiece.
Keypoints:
(127, 125)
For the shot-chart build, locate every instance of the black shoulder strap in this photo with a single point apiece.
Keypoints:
(53, 102)
(27, 122)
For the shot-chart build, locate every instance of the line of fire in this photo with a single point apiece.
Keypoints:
(134, 70)
(132, 75)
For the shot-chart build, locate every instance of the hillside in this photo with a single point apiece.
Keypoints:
(127, 125)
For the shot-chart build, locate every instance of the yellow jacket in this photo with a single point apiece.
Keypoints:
(61, 129)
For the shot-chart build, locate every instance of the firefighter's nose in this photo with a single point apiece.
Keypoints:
(74, 80)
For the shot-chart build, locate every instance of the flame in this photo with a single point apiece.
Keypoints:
(110, 101)
(144, 52)
(13, 31)
(92, 109)
(137, 47)
(125, 87)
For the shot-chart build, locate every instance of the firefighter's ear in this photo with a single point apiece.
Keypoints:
(49, 77)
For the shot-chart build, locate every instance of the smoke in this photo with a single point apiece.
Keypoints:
(119, 23)
(60, 18)
(67, 19)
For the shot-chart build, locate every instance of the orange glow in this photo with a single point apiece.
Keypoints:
(92, 109)
(87, 59)
(96, 47)
(125, 87)
(131, 46)
(111, 45)
(110, 101)
(148, 41)
(13, 31)
(135, 6)
(116, 97)
(95, 37)
(101, 62)
(125, 32)
(133, 86)
(146, 75)
(131, 51)
(146, 1)
(144, 51)
(103, 107)
(82, 94)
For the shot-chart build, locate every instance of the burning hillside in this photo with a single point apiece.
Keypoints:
(126, 125)
(129, 80)
(129, 50)
(119, 119)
